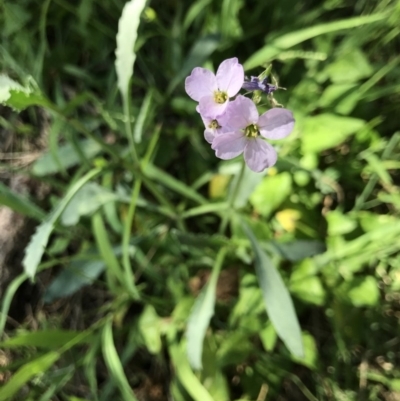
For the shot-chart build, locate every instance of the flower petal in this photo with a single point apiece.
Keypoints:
(210, 109)
(206, 121)
(230, 76)
(229, 145)
(276, 123)
(200, 83)
(259, 155)
(240, 113)
(209, 135)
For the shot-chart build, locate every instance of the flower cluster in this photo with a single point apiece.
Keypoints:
(234, 126)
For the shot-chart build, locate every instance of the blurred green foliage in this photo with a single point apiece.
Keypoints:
(121, 271)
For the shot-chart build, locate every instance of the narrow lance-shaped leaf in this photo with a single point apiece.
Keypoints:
(126, 38)
(277, 299)
(48, 339)
(185, 375)
(291, 39)
(114, 364)
(26, 373)
(201, 314)
(19, 203)
(35, 249)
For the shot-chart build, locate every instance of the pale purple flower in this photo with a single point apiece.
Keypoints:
(213, 127)
(213, 91)
(246, 126)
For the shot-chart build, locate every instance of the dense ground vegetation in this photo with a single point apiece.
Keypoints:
(139, 227)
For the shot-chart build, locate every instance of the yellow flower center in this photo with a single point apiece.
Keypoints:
(220, 97)
(251, 131)
(214, 125)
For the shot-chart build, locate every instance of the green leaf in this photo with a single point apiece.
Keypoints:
(376, 165)
(310, 352)
(277, 299)
(127, 34)
(76, 275)
(267, 53)
(15, 17)
(67, 157)
(7, 299)
(150, 327)
(394, 384)
(298, 250)
(6, 85)
(194, 11)
(114, 364)
(171, 182)
(87, 201)
(394, 199)
(339, 223)
(271, 192)
(49, 339)
(14, 95)
(268, 337)
(250, 181)
(205, 209)
(250, 302)
(326, 131)
(20, 204)
(350, 66)
(336, 93)
(141, 117)
(20, 100)
(104, 245)
(202, 241)
(363, 291)
(24, 374)
(199, 53)
(201, 314)
(238, 344)
(37, 245)
(306, 285)
(185, 375)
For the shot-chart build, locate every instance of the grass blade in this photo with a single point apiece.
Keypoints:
(185, 375)
(277, 299)
(48, 339)
(20, 204)
(201, 314)
(171, 182)
(141, 118)
(114, 364)
(267, 53)
(26, 373)
(8, 297)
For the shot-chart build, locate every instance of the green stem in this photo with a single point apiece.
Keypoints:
(128, 129)
(43, 42)
(126, 262)
(232, 199)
